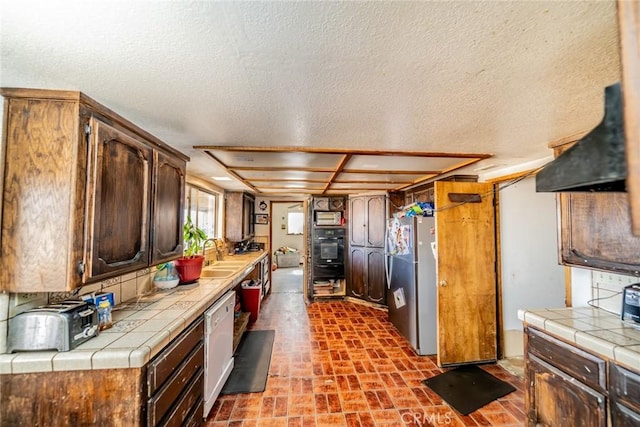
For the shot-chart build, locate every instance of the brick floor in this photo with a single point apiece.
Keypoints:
(339, 363)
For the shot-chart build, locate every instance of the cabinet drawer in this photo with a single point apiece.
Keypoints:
(165, 363)
(162, 402)
(194, 419)
(621, 416)
(191, 398)
(624, 386)
(577, 363)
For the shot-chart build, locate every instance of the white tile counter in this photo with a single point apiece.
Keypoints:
(592, 329)
(141, 328)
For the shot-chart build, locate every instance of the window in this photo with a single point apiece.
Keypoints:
(295, 220)
(201, 205)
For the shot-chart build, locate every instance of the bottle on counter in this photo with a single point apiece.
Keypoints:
(105, 321)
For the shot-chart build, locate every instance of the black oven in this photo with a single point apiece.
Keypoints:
(328, 253)
(328, 245)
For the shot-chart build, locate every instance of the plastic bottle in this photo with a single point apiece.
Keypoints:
(105, 320)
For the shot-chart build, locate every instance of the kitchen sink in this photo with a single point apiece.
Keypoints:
(219, 273)
(228, 264)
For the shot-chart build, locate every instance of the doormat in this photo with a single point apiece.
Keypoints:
(251, 364)
(468, 388)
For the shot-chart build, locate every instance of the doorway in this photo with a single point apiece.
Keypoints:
(288, 243)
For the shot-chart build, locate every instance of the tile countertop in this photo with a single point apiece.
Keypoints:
(140, 330)
(592, 329)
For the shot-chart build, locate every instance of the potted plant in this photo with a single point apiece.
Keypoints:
(190, 265)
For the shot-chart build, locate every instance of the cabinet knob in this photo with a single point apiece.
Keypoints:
(443, 283)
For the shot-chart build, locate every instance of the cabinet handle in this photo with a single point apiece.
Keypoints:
(443, 283)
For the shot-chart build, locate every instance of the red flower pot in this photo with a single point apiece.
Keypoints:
(189, 269)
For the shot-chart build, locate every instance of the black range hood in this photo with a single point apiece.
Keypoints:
(597, 161)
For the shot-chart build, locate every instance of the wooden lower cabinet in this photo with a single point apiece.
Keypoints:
(168, 391)
(556, 399)
(624, 392)
(108, 397)
(175, 379)
(367, 279)
(568, 386)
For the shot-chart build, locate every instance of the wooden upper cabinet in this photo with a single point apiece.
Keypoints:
(368, 219)
(357, 223)
(239, 210)
(77, 183)
(376, 221)
(43, 157)
(629, 25)
(169, 183)
(596, 233)
(122, 189)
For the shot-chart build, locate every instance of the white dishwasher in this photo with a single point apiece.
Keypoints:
(218, 348)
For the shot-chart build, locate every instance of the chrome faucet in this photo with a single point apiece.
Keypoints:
(215, 246)
(204, 249)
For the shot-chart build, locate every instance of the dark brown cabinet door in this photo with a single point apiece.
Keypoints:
(376, 220)
(248, 228)
(367, 279)
(357, 221)
(595, 232)
(239, 212)
(120, 213)
(357, 272)
(556, 399)
(168, 194)
(376, 278)
(367, 226)
(367, 221)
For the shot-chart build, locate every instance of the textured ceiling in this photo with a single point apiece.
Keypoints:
(504, 78)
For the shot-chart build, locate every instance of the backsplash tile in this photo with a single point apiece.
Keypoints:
(3, 336)
(125, 287)
(128, 290)
(606, 289)
(4, 306)
(144, 283)
(111, 282)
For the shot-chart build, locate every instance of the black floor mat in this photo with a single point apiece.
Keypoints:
(468, 388)
(251, 364)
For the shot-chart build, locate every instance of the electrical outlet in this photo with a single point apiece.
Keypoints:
(25, 301)
(25, 298)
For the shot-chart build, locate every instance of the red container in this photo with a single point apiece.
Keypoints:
(189, 269)
(251, 297)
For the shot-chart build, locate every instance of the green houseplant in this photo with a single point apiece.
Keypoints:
(190, 265)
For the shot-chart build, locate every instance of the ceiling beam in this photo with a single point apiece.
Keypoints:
(316, 150)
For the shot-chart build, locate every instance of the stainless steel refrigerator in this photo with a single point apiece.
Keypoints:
(411, 278)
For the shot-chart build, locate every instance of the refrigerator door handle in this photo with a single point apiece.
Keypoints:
(387, 269)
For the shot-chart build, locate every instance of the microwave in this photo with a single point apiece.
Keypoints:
(328, 218)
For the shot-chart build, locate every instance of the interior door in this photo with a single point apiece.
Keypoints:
(466, 272)
(306, 249)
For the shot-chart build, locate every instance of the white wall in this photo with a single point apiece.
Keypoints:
(279, 236)
(531, 276)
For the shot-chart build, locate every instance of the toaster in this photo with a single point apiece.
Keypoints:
(62, 326)
(631, 303)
